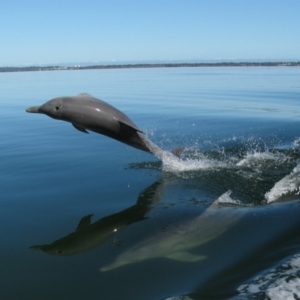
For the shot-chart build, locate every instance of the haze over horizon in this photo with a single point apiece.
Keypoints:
(91, 31)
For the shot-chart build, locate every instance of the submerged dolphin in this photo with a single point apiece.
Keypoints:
(182, 243)
(88, 113)
(177, 244)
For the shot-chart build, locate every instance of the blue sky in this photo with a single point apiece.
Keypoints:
(42, 32)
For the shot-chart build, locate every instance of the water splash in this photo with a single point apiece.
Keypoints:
(175, 165)
(287, 186)
(253, 158)
(226, 199)
(220, 159)
(296, 142)
(256, 173)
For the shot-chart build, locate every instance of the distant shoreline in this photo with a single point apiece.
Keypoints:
(149, 65)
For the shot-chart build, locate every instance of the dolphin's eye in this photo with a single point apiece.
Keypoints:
(57, 107)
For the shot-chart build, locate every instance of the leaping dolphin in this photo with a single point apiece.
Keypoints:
(88, 113)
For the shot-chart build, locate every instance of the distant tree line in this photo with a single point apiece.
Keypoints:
(157, 65)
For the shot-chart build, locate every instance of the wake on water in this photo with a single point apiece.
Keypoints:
(279, 172)
(279, 283)
(275, 170)
(288, 186)
(282, 282)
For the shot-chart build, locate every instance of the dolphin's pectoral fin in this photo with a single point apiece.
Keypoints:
(128, 127)
(185, 256)
(85, 221)
(80, 128)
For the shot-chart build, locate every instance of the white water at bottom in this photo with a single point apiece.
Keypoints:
(280, 283)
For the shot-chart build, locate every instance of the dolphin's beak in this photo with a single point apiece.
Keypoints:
(33, 109)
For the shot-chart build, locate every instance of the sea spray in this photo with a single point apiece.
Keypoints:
(289, 185)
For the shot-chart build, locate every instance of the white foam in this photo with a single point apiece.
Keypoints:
(201, 162)
(226, 199)
(280, 283)
(257, 157)
(285, 290)
(290, 184)
(296, 142)
(175, 165)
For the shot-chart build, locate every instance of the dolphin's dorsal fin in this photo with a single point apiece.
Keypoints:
(84, 95)
(185, 256)
(129, 127)
(85, 221)
(80, 128)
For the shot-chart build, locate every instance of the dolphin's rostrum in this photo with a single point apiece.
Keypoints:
(88, 113)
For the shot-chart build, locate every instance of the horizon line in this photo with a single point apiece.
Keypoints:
(150, 65)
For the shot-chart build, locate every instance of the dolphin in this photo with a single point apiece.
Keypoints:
(86, 112)
(88, 236)
(177, 243)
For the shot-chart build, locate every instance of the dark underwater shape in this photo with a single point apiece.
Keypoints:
(88, 113)
(88, 236)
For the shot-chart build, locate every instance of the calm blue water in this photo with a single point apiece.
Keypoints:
(86, 217)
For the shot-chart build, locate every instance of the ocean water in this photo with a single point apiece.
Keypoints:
(86, 217)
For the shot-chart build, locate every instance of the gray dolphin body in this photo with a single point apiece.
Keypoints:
(179, 243)
(88, 113)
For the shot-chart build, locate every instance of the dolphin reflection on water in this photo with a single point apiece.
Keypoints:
(88, 236)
